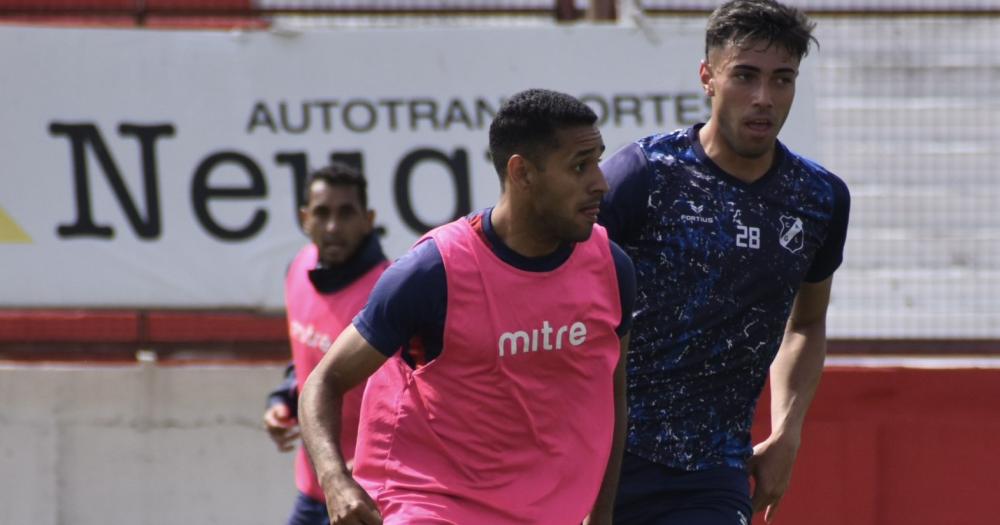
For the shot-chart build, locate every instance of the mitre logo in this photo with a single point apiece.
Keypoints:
(523, 341)
(309, 336)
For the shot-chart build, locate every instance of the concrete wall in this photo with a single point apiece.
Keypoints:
(151, 445)
(168, 445)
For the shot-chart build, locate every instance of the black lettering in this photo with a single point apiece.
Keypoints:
(326, 106)
(391, 104)
(485, 113)
(82, 135)
(456, 113)
(201, 193)
(260, 116)
(299, 163)
(458, 168)
(303, 125)
(354, 159)
(599, 105)
(354, 126)
(687, 108)
(658, 100)
(423, 109)
(626, 105)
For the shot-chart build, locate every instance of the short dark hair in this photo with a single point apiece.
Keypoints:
(339, 174)
(744, 22)
(526, 124)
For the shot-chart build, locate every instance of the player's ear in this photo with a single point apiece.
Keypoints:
(707, 81)
(518, 171)
(303, 213)
(370, 218)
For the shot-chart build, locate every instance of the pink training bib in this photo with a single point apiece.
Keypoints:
(513, 422)
(314, 322)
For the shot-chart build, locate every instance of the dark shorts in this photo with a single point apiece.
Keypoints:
(652, 494)
(308, 511)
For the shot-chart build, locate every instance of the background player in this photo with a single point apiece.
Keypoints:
(327, 284)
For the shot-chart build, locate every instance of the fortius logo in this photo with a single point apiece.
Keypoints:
(698, 218)
(697, 209)
(512, 343)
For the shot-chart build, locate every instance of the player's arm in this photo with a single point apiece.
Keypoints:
(350, 360)
(605, 504)
(625, 274)
(795, 374)
(280, 417)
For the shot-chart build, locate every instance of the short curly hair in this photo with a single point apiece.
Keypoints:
(339, 174)
(527, 122)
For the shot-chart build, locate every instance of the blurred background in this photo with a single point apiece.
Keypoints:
(153, 153)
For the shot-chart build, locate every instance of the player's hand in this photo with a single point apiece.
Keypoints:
(281, 426)
(348, 504)
(771, 468)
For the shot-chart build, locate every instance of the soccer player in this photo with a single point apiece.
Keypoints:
(506, 403)
(735, 239)
(326, 285)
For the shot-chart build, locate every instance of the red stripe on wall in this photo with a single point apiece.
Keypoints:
(139, 327)
(183, 327)
(69, 325)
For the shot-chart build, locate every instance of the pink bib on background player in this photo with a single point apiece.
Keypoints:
(513, 422)
(314, 322)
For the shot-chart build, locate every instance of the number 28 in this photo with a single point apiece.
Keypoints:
(748, 236)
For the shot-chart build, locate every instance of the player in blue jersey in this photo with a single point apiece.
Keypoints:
(735, 240)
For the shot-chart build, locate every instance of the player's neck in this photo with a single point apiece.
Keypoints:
(517, 230)
(746, 169)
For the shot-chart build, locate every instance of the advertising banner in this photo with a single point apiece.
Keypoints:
(163, 169)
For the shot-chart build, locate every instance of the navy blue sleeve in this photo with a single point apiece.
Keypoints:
(626, 287)
(623, 210)
(409, 299)
(286, 393)
(831, 254)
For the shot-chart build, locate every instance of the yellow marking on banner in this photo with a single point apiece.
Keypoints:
(10, 232)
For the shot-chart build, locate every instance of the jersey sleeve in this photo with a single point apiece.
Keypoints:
(409, 296)
(287, 392)
(626, 287)
(831, 253)
(623, 210)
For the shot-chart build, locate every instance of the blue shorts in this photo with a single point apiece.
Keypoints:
(308, 511)
(652, 494)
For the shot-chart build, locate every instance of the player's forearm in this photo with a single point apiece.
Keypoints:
(319, 419)
(609, 486)
(795, 375)
(604, 506)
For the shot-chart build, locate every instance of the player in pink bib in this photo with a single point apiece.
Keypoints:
(506, 403)
(325, 287)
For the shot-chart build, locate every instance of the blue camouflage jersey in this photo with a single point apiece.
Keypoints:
(718, 263)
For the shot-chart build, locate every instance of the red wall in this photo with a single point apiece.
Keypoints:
(897, 446)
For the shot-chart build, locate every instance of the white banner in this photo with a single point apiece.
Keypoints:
(161, 168)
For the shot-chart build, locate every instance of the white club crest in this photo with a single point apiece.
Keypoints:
(792, 235)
